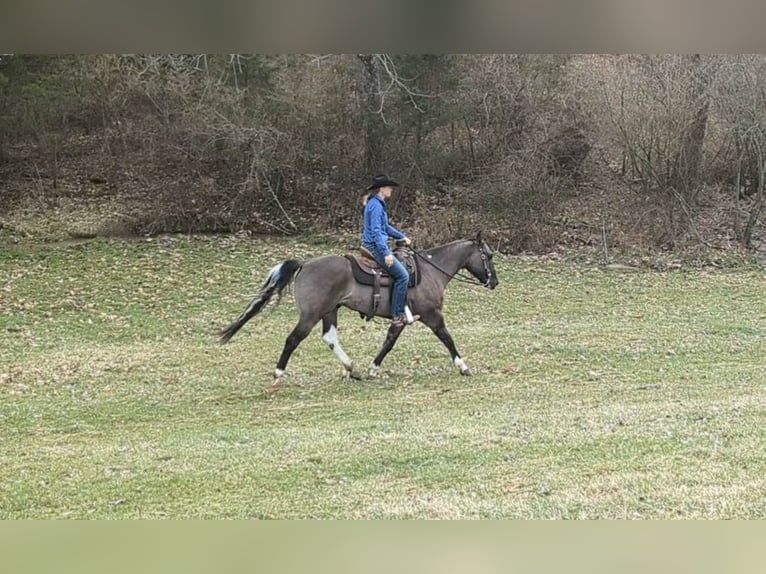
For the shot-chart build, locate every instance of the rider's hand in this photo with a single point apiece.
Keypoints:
(389, 260)
(407, 241)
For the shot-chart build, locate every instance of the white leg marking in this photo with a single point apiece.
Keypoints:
(278, 373)
(331, 338)
(460, 364)
(374, 370)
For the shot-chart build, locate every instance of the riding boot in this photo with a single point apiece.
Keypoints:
(401, 320)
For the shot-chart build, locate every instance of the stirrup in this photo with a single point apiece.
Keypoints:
(402, 320)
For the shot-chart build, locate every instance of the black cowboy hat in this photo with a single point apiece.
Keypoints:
(382, 181)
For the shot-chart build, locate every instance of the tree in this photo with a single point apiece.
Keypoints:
(658, 107)
(688, 162)
(741, 99)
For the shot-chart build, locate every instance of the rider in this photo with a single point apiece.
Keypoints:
(375, 236)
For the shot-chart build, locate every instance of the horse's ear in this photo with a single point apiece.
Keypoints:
(478, 237)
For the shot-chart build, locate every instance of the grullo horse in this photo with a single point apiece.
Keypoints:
(324, 284)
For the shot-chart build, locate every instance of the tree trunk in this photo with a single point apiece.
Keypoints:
(737, 191)
(755, 212)
(373, 116)
(688, 161)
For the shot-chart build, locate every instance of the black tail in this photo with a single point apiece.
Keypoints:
(279, 278)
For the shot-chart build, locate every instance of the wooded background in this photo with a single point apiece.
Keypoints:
(613, 151)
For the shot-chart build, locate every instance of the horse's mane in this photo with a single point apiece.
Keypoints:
(445, 246)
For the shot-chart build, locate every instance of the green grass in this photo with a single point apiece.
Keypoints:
(596, 394)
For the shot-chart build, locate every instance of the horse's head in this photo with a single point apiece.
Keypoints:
(480, 263)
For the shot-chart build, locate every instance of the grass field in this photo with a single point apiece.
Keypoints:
(596, 394)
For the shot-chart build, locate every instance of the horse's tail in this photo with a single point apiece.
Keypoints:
(280, 276)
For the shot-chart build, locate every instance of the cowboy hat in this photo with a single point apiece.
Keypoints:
(382, 181)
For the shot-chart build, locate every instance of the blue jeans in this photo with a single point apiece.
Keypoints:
(401, 278)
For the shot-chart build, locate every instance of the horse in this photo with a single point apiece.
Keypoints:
(324, 284)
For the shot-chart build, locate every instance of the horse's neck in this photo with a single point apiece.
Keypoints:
(450, 258)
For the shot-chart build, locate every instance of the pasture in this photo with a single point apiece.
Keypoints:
(596, 394)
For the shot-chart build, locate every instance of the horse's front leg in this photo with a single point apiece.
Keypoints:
(393, 334)
(436, 323)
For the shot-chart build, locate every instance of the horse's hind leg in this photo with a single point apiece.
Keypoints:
(300, 332)
(330, 336)
(393, 334)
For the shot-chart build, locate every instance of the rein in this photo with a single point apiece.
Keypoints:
(458, 276)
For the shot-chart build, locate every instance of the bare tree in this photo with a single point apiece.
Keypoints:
(687, 165)
(741, 100)
(384, 82)
(658, 110)
(374, 119)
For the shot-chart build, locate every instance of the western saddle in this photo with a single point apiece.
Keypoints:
(367, 271)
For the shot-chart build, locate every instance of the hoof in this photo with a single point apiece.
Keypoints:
(464, 370)
(373, 372)
(355, 374)
(277, 378)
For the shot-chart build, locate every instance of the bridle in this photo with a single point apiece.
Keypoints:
(458, 276)
(485, 261)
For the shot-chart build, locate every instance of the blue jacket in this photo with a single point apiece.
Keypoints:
(377, 229)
